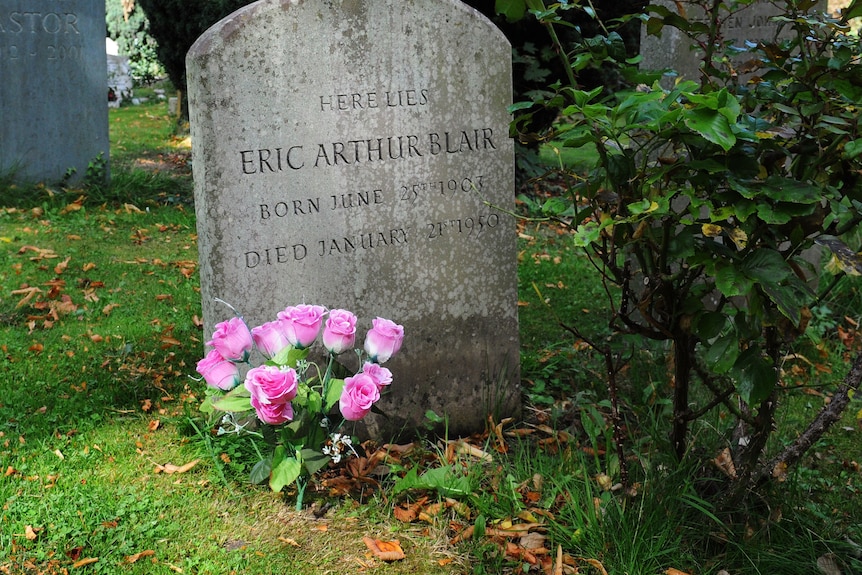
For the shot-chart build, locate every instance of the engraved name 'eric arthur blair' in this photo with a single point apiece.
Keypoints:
(280, 159)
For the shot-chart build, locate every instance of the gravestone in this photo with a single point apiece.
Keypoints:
(53, 88)
(355, 154)
(673, 49)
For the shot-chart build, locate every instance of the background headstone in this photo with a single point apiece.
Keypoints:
(355, 154)
(752, 23)
(53, 87)
(119, 75)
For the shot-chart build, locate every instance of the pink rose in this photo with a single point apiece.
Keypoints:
(271, 385)
(383, 339)
(218, 371)
(339, 332)
(232, 339)
(359, 393)
(271, 337)
(378, 374)
(272, 413)
(304, 321)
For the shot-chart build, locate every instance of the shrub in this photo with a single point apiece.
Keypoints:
(702, 200)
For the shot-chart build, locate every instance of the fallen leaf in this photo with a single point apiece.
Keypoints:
(30, 533)
(136, 556)
(289, 541)
(673, 571)
(411, 512)
(83, 562)
(154, 424)
(384, 550)
(828, 564)
(170, 469)
(61, 267)
(597, 565)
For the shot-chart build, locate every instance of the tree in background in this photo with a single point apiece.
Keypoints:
(176, 24)
(128, 26)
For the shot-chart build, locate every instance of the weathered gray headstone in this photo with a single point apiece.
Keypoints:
(355, 154)
(53, 88)
(673, 50)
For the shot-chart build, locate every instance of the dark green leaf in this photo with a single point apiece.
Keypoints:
(731, 281)
(260, 472)
(756, 377)
(313, 460)
(721, 355)
(712, 125)
(765, 266)
(709, 324)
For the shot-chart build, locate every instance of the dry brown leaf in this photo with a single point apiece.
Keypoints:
(83, 562)
(532, 541)
(558, 564)
(409, 513)
(385, 550)
(828, 564)
(61, 267)
(30, 533)
(170, 468)
(595, 563)
(672, 571)
(88, 266)
(154, 424)
(520, 553)
(136, 556)
(724, 461)
(464, 535)
(28, 294)
(289, 541)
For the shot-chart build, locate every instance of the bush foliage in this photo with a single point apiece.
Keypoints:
(129, 27)
(702, 201)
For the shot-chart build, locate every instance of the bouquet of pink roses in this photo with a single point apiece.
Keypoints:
(291, 394)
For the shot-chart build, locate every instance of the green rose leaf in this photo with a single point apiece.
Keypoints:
(289, 356)
(239, 399)
(285, 473)
(315, 402)
(313, 460)
(261, 471)
(207, 404)
(333, 393)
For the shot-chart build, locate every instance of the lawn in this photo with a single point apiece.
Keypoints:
(107, 466)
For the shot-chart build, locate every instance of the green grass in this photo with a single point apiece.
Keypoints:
(99, 333)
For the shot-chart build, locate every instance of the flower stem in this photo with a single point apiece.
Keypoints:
(300, 492)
